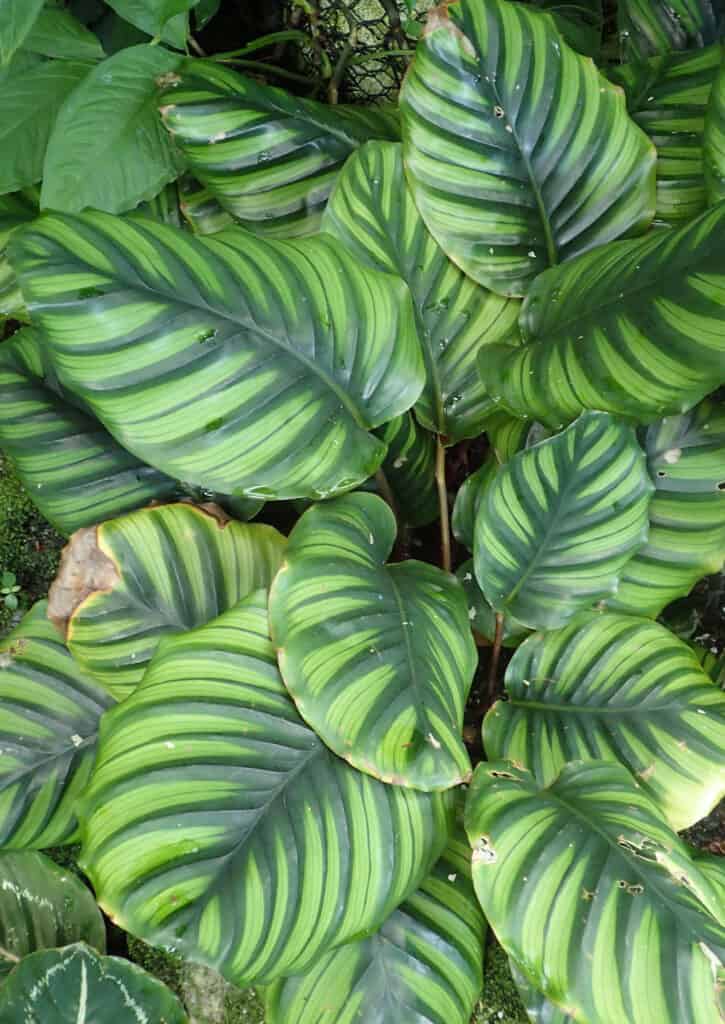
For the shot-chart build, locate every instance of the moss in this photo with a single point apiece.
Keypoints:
(500, 1003)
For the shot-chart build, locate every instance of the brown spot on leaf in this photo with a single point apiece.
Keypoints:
(214, 511)
(84, 570)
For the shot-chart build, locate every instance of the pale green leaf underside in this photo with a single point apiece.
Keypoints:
(714, 143)
(217, 822)
(227, 362)
(49, 715)
(594, 896)
(378, 658)
(519, 153)
(618, 688)
(560, 521)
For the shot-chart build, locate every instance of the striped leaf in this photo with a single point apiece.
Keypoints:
(686, 461)
(423, 965)
(75, 472)
(228, 362)
(49, 715)
(538, 1008)
(409, 467)
(15, 209)
(201, 210)
(75, 985)
(219, 824)
(714, 142)
(373, 213)
(649, 27)
(519, 153)
(636, 328)
(619, 688)
(713, 868)
(668, 97)
(482, 616)
(43, 906)
(580, 22)
(268, 157)
(125, 584)
(377, 657)
(594, 896)
(561, 520)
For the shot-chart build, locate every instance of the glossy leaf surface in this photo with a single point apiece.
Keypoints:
(637, 328)
(519, 153)
(127, 583)
(561, 520)
(49, 715)
(218, 823)
(377, 657)
(594, 896)
(269, 157)
(714, 142)
(227, 362)
(373, 213)
(619, 688)
(424, 964)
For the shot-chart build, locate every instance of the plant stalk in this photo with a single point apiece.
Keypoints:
(495, 655)
(387, 492)
(5, 954)
(446, 561)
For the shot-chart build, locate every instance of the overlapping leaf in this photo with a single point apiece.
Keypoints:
(538, 1008)
(424, 964)
(519, 153)
(637, 328)
(686, 462)
(219, 823)
(668, 98)
(648, 27)
(482, 616)
(56, 33)
(594, 896)
(377, 657)
(409, 467)
(125, 584)
(714, 142)
(202, 211)
(619, 688)
(237, 364)
(579, 21)
(270, 158)
(561, 520)
(16, 21)
(74, 470)
(15, 209)
(372, 212)
(49, 715)
(43, 906)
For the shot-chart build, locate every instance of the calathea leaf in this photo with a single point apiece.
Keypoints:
(16, 21)
(620, 688)
(409, 467)
(636, 328)
(579, 21)
(714, 142)
(377, 657)
(56, 33)
(227, 362)
(270, 158)
(218, 823)
(108, 149)
(202, 211)
(74, 470)
(668, 97)
(561, 520)
(686, 462)
(127, 583)
(482, 616)
(588, 866)
(43, 906)
(75, 985)
(372, 212)
(648, 27)
(15, 210)
(424, 961)
(538, 1008)
(49, 715)
(519, 154)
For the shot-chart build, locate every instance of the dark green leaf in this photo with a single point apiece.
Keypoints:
(539, 1009)
(167, 19)
(580, 22)
(15, 209)
(409, 467)
(56, 33)
(16, 21)
(650, 27)
(482, 616)
(202, 211)
(714, 142)
(204, 11)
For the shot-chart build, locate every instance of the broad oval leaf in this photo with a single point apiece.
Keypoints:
(372, 212)
(424, 964)
(167, 19)
(409, 468)
(16, 21)
(125, 584)
(378, 658)
(636, 328)
(49, 715)
(108, 149)
(686, 462)
(219, 824)
(618, 688)
(714, 141)
(269, 157)
(43, 906)
(594, 896)
(561, 520)
(77, 986)
(519, 153)
(668, 97)
(649, 27)
(229, 362)
(56, 33)
(75, 471)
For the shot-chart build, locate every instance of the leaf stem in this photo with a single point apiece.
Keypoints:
(261, 68)
(334, 87)
(440, 474)
(7, 955)
(495, 655)
(387, 492)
